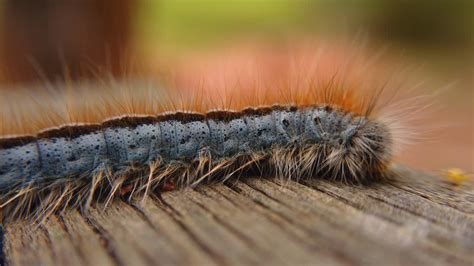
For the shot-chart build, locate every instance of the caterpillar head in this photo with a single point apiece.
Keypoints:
(349, 148)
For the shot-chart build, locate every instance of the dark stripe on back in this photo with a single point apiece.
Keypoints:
(69, 131)
(129, 121)
(257, 111)
(8, 143)
(181, 116)
(223, 115)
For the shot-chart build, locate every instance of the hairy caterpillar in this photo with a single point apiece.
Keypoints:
(324, 128)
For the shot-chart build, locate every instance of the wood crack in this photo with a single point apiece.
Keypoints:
(175, 215)
(105, 240)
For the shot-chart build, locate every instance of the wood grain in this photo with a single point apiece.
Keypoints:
(413, 219)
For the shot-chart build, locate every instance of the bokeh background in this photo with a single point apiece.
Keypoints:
(51, 41)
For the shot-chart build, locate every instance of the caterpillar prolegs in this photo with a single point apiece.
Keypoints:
(74, 163)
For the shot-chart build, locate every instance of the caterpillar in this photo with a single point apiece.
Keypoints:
(324, 129)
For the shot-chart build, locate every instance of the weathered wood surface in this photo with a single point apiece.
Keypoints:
(412, 220)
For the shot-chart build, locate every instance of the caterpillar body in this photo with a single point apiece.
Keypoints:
(312, 140)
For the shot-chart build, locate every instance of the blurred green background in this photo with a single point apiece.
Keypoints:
(417, 24)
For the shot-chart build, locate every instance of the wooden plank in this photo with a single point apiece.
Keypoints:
(89, 244)
(324, 217)
(413, 219)
(27, 245)
(417, 228)
(134, 239)
(435, 189)
(270, 241)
